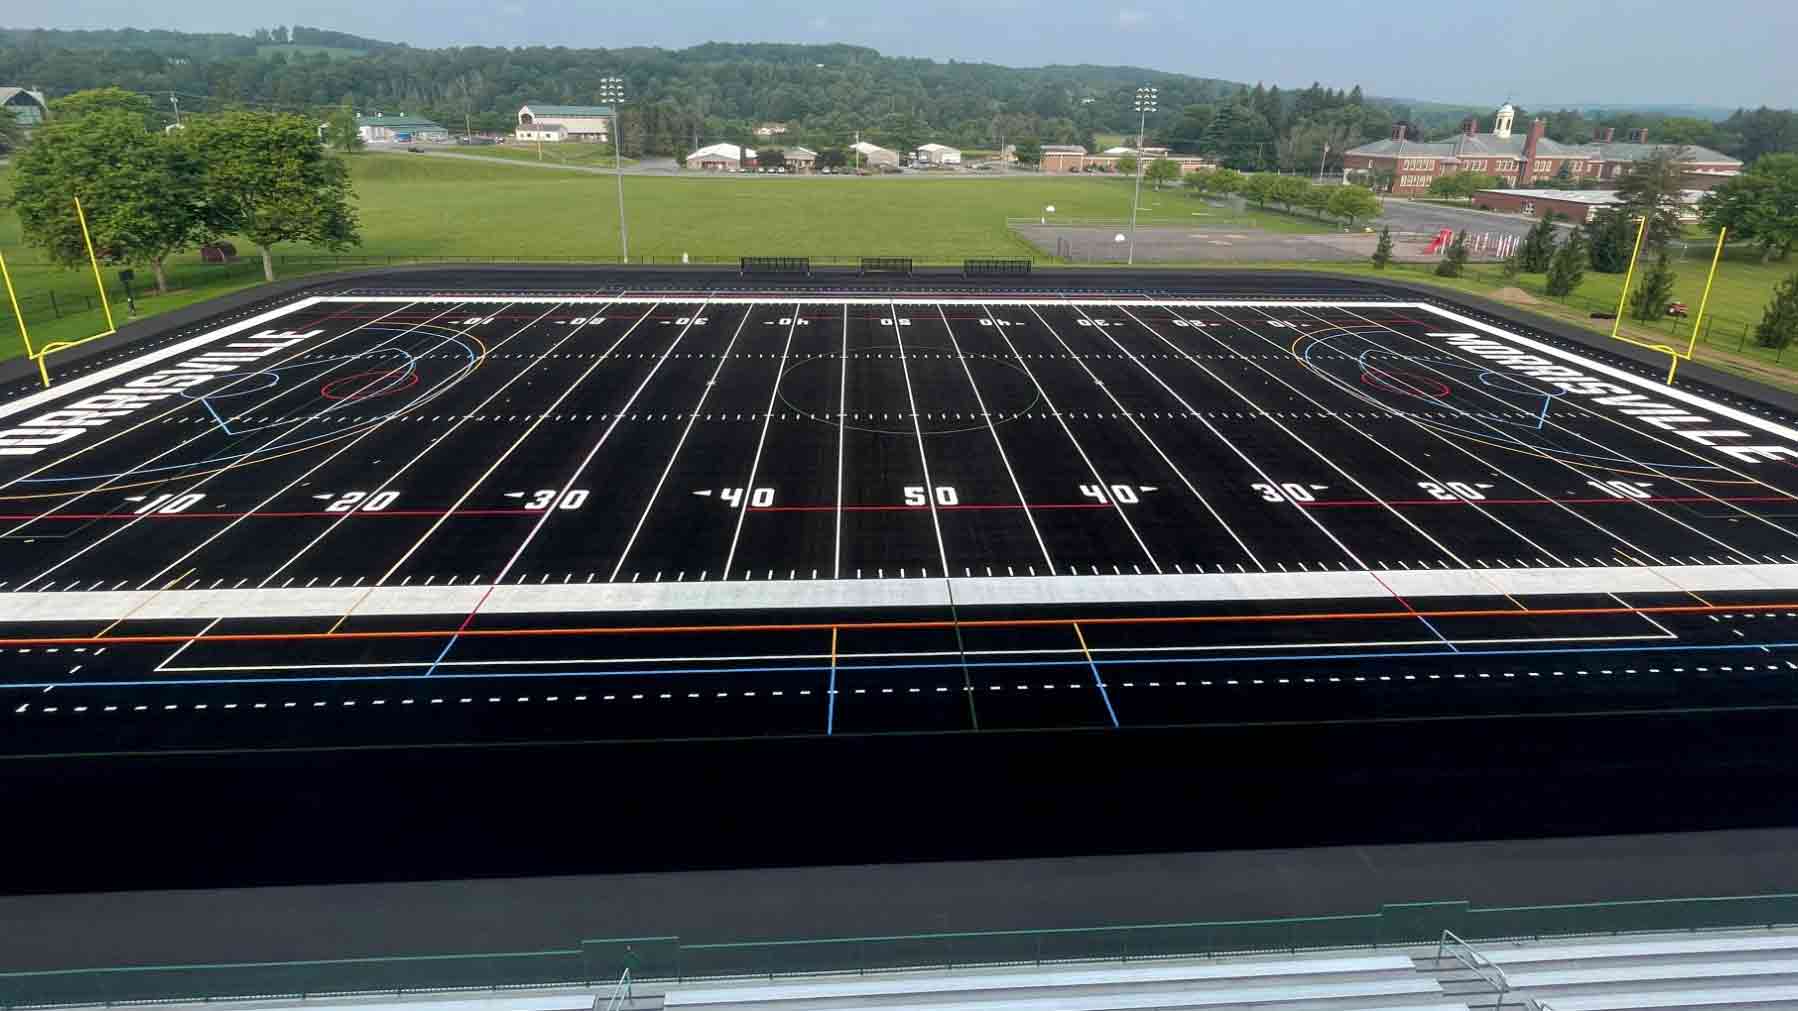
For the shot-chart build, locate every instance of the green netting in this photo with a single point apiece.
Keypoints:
(601, 960)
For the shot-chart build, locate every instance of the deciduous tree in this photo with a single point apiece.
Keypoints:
(1655, 188)
(1759, 206)
(341, 132)
(1162, 170)
(1351, 204)
(93, 100)
(1288, 191)
(141, 191)
(12, 132)
(269, 180)
(1029, 151)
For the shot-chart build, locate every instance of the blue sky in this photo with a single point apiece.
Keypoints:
(1721, 52)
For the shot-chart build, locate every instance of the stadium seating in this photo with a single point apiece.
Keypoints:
(1338, 984)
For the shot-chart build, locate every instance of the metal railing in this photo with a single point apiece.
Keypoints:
(1481, 966)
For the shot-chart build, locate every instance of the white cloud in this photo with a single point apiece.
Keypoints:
(1130, 17)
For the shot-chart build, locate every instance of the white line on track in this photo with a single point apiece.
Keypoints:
(742, 509)
(526, 434)
(1056, 413)
(668, 468)
(985, 414)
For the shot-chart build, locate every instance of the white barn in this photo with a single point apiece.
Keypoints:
(722, 158)
(578, 122)
(938, 154)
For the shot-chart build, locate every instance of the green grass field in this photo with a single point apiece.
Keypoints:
(417, 207)
(596, 155)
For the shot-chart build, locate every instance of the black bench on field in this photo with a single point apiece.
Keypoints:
(775, 265)
(995, 268)
(886, 265)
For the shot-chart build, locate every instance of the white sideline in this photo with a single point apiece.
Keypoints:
(801, 594)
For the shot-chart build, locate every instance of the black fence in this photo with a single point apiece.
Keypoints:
(775, 265)
(886, 265)
(995, 268)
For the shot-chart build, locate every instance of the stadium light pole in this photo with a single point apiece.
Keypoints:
(611, 90)
(1145, 104)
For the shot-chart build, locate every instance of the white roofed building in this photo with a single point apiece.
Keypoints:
(938, 154)
(722, 158)
(873, 155)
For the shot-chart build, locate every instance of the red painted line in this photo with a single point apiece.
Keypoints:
(401, 513)
(922, 508)
(1660, 499)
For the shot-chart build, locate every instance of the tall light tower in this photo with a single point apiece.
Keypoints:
(611, 91)
(1145, 104)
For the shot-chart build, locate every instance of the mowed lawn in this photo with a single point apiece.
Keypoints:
(419, 207)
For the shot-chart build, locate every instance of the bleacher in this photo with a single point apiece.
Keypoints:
(1730, 971)
(1366, 983)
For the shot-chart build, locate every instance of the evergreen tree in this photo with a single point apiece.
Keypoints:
(1382, 253)
(1779, 324)
(1538, 249)
(1569, 266)
(1456, 261)
(1512, 264)
(1653, 292)
(1612, 238)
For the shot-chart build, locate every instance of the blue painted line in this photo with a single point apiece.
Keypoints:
(446, 649)
(954, 665)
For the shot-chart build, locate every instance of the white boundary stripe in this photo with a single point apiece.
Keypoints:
(944, 298)
(719, 595)
(112, 372)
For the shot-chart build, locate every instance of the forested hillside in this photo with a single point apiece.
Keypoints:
(720, 91)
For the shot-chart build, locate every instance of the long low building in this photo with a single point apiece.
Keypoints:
(1573, 205)
(1524, 158)
(401, 129)
(1070, 158)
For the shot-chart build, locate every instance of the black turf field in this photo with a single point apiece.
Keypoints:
(476, 518)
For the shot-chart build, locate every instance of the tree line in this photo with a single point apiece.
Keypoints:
(148, 193)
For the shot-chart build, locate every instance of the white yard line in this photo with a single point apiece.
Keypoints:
(668, 468)
(1130, 416)
(1055, 412)
(917, 426)
(495, 465)
(998, 444)
(761, 441)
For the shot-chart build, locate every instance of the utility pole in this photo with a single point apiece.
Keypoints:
(1320, 162)
(1145, 104)
(611, 89)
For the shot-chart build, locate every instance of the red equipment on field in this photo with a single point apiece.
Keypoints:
(1441, 241)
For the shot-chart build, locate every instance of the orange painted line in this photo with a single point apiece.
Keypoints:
(1195, 619)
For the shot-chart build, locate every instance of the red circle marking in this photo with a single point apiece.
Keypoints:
(367, 385)
(1409, 384)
